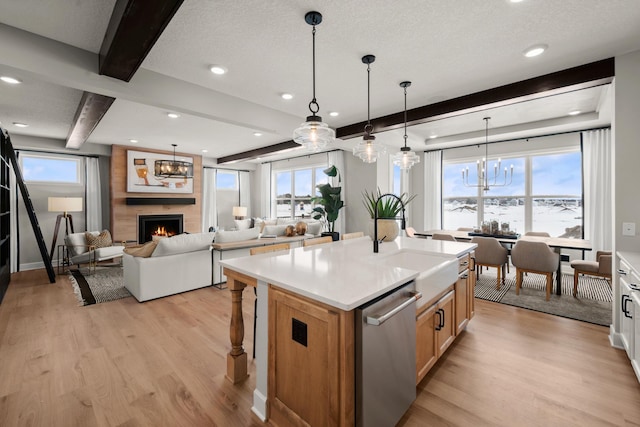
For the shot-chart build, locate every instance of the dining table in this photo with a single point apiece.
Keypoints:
(555, 243)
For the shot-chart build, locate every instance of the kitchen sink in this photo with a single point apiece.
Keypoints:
(437, 272)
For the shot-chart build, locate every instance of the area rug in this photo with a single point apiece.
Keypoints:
(105, 284)
(592, 304)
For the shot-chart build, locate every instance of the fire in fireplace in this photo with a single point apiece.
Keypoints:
(158, 225)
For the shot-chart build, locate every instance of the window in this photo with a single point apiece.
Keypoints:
(50, 169)
(545, 195)
(226, 180)
(294, 190)
(396, 180)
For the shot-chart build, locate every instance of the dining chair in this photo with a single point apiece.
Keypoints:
(317, 241)
(256, 251)
(537, 258)
(443, 236)
(353, 235)
(537, 233)
(600, 267)
(490, 253)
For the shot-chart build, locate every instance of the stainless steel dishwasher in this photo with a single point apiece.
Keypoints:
(386, 357)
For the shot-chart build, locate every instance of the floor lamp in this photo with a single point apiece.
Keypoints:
(64, 205)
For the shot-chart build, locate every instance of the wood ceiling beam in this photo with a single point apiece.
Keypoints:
(134, 28)
(576, 78)
(91, 109)
(259, 152)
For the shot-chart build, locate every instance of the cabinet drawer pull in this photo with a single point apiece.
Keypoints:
(622, 272)
(625, 300)
(438, 327)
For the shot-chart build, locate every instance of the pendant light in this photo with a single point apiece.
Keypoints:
(405, 158)
(172, 168)
(367, 149)
(313, 134)
(482, 168)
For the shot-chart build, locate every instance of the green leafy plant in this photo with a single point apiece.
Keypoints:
(330, 200)
(388, 207)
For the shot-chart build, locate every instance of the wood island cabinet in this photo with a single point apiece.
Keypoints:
(435, 331)
(311, 362)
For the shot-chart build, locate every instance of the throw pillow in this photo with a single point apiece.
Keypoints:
(242, 224)
(143, 251)
(274, 230)
(101, 240)
(236, 236)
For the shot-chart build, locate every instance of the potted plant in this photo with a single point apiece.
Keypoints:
(388, 209)
(331, 202)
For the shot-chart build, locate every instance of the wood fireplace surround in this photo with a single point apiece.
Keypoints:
(124, 216)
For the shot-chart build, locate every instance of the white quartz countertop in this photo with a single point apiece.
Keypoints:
(347, 274)
(631, 258)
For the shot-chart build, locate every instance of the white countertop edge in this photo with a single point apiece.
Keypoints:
(411, 274)
(631, 258)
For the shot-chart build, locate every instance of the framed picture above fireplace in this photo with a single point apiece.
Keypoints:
(149, 172)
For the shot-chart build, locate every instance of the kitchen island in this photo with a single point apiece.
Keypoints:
(323, 285)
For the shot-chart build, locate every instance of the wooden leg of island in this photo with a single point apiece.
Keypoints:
(237, 358)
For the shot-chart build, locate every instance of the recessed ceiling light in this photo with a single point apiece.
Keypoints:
(20, 125)
(516, 1)
(334, 113)
(535, 50)
(205, 151)
(257, 134)
(433, 136)
(287, 96)
(133, 141)
(218, 69)
(10, 80)
(173, 115)
(574, 112)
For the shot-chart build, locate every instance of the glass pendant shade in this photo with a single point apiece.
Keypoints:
(314, 134)
(405, 158)
(367, 149)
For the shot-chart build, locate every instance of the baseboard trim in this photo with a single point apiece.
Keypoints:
(259, 405)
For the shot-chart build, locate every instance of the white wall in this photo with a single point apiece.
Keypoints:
(626, 155)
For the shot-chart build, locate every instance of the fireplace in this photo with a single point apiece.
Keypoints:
(158, 225)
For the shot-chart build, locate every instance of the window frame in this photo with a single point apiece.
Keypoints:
(293, 199)
(528, 195)
(79, 167)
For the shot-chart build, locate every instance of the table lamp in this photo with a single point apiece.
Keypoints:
(64, 205)
(239, 212)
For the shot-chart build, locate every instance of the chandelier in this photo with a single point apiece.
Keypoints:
(313, 134)
(367, 149)
(405, 158)
(482, 168)
(173, 168)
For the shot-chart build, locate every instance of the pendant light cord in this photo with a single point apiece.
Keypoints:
(313, 101)
(405, 116)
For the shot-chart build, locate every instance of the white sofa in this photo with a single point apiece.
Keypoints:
(178, 264)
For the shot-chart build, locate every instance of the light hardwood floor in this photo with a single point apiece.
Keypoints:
(163, 363)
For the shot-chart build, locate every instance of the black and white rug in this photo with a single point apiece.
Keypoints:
(105, 284)
(592, 303)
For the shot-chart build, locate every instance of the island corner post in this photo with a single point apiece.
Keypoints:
(237, 358)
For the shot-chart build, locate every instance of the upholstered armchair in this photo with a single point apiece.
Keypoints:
(534, 257)
(490, 253)
(91, 247)
(601, 267)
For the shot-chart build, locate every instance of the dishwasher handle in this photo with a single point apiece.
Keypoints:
(377, 321)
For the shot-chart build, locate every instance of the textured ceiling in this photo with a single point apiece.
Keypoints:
(447, 49)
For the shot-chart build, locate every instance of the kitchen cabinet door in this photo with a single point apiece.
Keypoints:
(462, 302)
(426, 350)
(446, 330)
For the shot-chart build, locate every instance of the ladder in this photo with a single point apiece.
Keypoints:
(6, 141)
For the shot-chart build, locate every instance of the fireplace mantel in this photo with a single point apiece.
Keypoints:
(160, 201)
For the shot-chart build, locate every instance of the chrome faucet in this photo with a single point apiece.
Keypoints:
(375, 220)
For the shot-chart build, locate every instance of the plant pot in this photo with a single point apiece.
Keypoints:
(335, 235)
(387, 228)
